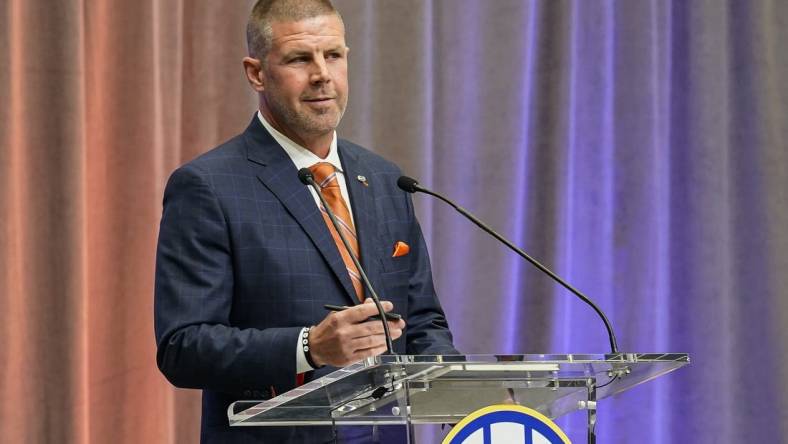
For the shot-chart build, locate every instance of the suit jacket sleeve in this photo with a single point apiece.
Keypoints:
(197, 346)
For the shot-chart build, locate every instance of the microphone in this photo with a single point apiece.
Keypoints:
(307, 178)
(411, 185)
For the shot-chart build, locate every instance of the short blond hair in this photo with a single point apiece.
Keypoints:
(259, 34)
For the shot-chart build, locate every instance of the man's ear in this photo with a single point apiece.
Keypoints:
(254, 73)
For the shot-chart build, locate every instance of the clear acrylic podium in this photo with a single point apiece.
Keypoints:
(409, 390)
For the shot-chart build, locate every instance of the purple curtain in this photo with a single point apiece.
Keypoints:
(638, 147)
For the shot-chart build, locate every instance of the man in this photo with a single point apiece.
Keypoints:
(246, 259)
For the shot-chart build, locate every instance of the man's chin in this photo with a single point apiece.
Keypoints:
(323, 123)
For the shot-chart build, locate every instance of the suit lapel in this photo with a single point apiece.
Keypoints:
(363, 204)
(277, 172)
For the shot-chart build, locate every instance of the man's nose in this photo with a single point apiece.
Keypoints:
(320, 72)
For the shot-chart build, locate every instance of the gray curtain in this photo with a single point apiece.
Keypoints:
(638, 147)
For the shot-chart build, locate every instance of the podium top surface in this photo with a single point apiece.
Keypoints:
(430, 389)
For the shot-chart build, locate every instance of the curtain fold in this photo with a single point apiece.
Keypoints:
(44, 300)
(639, 148)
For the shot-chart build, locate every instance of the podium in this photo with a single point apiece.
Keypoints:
(408, 390)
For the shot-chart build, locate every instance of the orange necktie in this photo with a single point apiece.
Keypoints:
(326, 177)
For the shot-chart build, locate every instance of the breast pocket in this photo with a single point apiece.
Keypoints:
(395, 264)
(395, 273)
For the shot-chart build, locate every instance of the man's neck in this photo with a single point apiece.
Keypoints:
(319, 144)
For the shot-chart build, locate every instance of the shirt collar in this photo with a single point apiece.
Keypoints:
(302, 157)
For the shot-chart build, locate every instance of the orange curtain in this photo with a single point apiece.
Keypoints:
(99, 102)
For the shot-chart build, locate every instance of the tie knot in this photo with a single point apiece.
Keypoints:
(325, 174)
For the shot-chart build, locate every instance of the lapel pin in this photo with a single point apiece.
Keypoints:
(363, 180)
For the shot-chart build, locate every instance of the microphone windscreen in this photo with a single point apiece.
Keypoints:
(408, 184)
(304, 175)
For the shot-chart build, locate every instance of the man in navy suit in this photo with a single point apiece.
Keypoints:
(246, 260)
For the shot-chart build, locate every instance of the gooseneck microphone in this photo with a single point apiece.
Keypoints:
(306, 177)
(411, 185)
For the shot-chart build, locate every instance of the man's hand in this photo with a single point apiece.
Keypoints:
(345, 337)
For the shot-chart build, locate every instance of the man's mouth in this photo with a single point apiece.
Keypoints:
(318, 99)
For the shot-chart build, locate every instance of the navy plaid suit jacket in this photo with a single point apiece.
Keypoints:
(245, 260)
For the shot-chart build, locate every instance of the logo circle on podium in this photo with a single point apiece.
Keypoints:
(506, 424)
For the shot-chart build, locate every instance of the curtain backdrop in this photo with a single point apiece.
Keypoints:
(640, 148)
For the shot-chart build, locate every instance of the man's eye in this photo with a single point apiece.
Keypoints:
(334, 55)
(298, 60)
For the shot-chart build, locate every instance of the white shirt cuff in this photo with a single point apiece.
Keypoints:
(302, 366)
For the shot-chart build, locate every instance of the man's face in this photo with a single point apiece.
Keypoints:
(305, 77)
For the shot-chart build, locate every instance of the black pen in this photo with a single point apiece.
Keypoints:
(389, 316)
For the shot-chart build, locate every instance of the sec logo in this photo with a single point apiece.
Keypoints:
(506, 424)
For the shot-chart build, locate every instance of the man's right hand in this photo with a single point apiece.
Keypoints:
(345, 337)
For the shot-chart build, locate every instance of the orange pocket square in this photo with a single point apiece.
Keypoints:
(400, 249)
